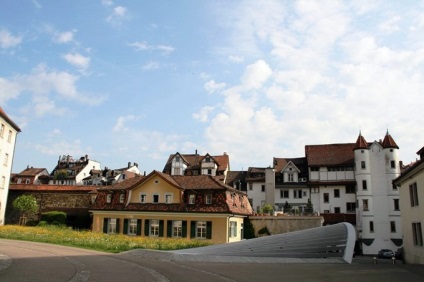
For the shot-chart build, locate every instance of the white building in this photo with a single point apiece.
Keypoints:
(256, 188)
(8, 134)
(378, 209)
(72, 172)
(411, 183)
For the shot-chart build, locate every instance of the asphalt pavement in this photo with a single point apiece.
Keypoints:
(29, 261)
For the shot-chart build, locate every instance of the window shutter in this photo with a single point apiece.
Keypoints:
(184, 229)
(161, 223)
(192, 229)
(169, 228)
(209, 229)
(146, 227)
(105, 221)
(125, 226)
(117, 226)
(139, 227)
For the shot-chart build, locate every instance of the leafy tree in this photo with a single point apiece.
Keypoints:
(267, 208)
(26, 204)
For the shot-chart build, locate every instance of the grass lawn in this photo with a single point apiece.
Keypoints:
(95, 241)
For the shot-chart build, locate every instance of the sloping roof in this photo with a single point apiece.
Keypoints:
(300, 163)
(6, 118)
(30, 171)
(193, 161)
(51, 188)
(361, 143)
(330, 154)
(389, 142)
(202, 182)
(126, 184)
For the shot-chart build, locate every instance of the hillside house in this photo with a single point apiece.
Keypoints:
(69, 171)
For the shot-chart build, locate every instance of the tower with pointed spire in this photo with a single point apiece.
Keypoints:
(378, 215)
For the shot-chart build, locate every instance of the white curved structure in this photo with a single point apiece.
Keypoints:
(332, 241)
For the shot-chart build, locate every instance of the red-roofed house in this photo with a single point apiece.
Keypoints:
(160, 205)
(30, 175)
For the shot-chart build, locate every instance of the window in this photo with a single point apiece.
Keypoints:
(290, 177)
(350, 207)
(233, 199)
(132, 226)
(209, 171)
(392, 164)
(208, 199)
(109, 198)
(250, 186)
(396, 204)
(363, 166)
(262, 188)
(2, 130)
(6, 159)
(314, 168)
(365, 204)
(284, 194)
(168, 198)
(27, 181)
(154, 228)
(336, 209)
(143, 198)
(364, 185)
(9, 136)
(371, 226)
(413, 194)
(417, 234)
(201, 229)
(121, 198)
(191, 199)
(336, 193)
(112, 226)
(208, 159)
(392, 227)
(177, 171)
(233, 229)
(326, 197)
(3, 181)
(177, 159)
(156, 198)
(177, 228)
(350, 189)
(297, 194)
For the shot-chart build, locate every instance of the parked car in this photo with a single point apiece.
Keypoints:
(385, 253)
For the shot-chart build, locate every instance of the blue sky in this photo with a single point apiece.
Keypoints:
(135, 81)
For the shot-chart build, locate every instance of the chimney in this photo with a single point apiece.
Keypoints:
(129, 164)
(196, 151)
(136, 164)
(225, 153)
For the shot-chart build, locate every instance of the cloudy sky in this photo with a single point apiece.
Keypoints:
(135, 81)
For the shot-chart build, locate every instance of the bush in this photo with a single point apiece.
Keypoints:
(264, 231)
(42, 223)
(249, 229)
(54, 217)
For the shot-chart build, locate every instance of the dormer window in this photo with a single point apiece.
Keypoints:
(191, 199)
(121, 198)
(177, 159)
(109, 198)
(290, 177)
(208, 159)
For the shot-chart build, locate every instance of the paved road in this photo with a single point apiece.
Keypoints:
(26, 261)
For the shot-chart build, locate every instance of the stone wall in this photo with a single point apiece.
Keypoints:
(74, 204)
(284, 224)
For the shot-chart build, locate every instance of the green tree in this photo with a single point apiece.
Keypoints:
(267, 208)
(26, 204)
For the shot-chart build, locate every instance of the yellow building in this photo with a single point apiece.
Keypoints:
(161, 205)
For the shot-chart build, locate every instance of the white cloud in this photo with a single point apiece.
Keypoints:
(151, 66)
(119, 14)
(64, 37)
(143, 46)
(121, 121)
(77, 60)
(390, 25)
(211, 86)
(8, 90)
(236, 59)
(203, 114)
(7, 40)
(256, 75)
(107, 2)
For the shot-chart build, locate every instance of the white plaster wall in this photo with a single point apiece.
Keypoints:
(86, 171)
(256, 194)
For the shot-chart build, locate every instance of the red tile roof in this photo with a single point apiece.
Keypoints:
(388, 142)
(6, 118)
(361, 143)
(330, 154)
(51, 188)
(31, 171)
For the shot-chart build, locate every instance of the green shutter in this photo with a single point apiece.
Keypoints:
(184, 231)
(209, 229)
(138, 227)
(125, 226)
(236, 229)
(169, 228)
(117, 226)
(161, 224)
(146, 227)
(105, 221)
(192, 229)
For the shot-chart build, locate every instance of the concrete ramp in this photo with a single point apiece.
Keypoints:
(328, 242)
